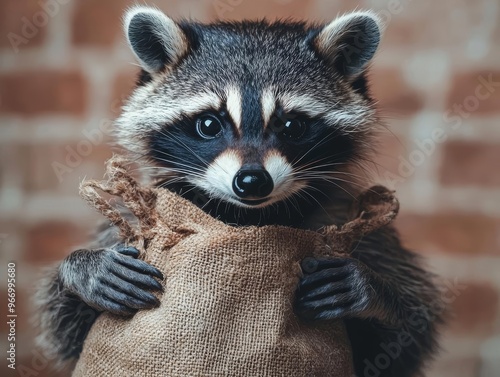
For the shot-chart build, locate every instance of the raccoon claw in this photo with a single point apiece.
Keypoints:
(114, 280)
(135, 264)
(127, 250)
(335, 288)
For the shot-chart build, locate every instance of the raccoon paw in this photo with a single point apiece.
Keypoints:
(335, 288)
(115, 281)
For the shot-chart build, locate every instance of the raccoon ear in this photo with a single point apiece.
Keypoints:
(155, 39)
(350, 41)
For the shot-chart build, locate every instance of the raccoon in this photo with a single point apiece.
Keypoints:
(258, 123)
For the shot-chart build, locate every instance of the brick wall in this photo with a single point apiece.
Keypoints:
(65, 69)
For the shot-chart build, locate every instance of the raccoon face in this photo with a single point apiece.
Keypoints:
(250, 113)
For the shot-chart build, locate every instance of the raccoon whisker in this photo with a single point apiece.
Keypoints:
(170, 180)
(370, 171)
(175, 165)
(208, 201)
(319, 174)
(340, 187)
(295, 162)
(161, 169)
(349, 174)
(349, 182)
(312, 163)
(180, 171)
(294, 203)
(323, 175)
(342, 173)
(195, 154)
(181, 143)
(314, 168)
(319, 191)
(218, 205)
(182, 193)
(166, 170)
(303, 191)
(287, 208)
(324, 178)
(329, 178)
(174, 162)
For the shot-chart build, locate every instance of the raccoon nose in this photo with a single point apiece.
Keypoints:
(253, 183)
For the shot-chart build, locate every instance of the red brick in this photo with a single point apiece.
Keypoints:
(15, 15)
(60, 167)
(394, 95)
(42, 92)
(386, 162)
(258, 9)
(470, 163)
(428, 24)
(474, 310)
(35, 161)
(98, 22)
(464, 233)
(51, 241)
(475, 93)
(123, 85)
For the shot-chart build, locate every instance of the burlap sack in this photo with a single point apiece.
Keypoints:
(227, 305)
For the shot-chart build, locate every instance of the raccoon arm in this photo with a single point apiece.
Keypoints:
(388, 301)
(403, 287)
(106, 277)
(63, 319)
(87, 283)
(410, 309)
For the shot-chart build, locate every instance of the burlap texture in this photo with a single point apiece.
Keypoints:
(227, 308)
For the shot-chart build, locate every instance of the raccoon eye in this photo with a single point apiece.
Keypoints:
(208, 126)
(292, 129)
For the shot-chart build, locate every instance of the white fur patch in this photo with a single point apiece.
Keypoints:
(234, 104)
(303, 103)
(218, 179)
(268, 103)
(145, 112)
(347, 118)
(352, 118)
(282, 173)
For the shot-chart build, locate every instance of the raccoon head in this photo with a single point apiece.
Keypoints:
(250, 113)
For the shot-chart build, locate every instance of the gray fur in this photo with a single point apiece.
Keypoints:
(261, 67)
(279, 57)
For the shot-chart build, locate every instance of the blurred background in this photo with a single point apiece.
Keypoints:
(65, 70)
